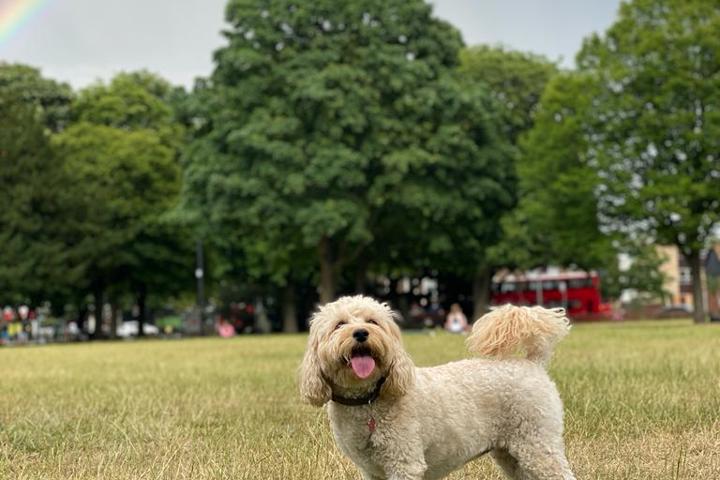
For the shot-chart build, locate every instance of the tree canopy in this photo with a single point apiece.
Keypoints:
(514, 82)
(33, 207)
(122, 153)
(514, 79)
(27, 85)
(556, 220)
(327, 127)
(656, 136)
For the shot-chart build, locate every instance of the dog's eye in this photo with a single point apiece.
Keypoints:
(370, 320)
(340, 324)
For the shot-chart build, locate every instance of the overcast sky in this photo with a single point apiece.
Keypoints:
(80, 41)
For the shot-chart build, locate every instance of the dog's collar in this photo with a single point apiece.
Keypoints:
(356, 402)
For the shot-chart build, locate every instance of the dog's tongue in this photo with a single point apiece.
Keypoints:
(363, 366)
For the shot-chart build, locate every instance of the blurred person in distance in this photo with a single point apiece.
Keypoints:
(456, 321)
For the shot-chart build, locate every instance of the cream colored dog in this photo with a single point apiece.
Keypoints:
(399, 422)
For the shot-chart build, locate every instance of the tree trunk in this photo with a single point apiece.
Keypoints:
(82, 315)
(698, 297)
(113, 320)
(99, 301)
(289, 312)
(142, 308)
(481, 290)
(327, 272)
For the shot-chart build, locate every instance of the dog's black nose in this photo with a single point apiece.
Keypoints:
(360, 335)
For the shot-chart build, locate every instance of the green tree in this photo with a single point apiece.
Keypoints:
(35, 263)
(122, 152)
(557, 220)
(450, 192)
(656, 140)
(515, 82)
(26, 84)
(642, 274)
(132, 101)
(557, 217)
(127, 180)
(334, 130)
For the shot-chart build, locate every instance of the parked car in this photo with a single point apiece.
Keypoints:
(130, 328)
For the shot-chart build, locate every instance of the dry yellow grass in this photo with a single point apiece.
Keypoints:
(642, 402)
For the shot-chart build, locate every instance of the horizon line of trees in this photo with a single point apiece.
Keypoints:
(337, 142)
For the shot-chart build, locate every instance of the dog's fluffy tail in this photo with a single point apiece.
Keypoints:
(509, 330)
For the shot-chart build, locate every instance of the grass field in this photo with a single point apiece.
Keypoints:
(642, 402)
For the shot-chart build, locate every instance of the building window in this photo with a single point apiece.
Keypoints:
(685, 276)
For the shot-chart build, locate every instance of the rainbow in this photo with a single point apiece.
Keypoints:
(16, 13)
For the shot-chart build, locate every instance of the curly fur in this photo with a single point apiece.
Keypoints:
(510, 330)
(428, 422)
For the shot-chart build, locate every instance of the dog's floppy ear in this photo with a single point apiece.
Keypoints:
(314, 389)
(402, 370)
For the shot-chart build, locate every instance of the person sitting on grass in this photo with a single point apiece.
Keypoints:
(225, 329)
(456, 322)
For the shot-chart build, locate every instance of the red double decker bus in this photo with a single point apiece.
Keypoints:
(576, 292)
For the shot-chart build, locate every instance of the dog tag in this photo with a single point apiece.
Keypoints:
(371, 425)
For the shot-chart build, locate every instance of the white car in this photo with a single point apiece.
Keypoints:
(131, 328)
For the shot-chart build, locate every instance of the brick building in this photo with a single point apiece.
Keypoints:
(678, 278)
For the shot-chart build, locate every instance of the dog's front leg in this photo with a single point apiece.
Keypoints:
(405, 462)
